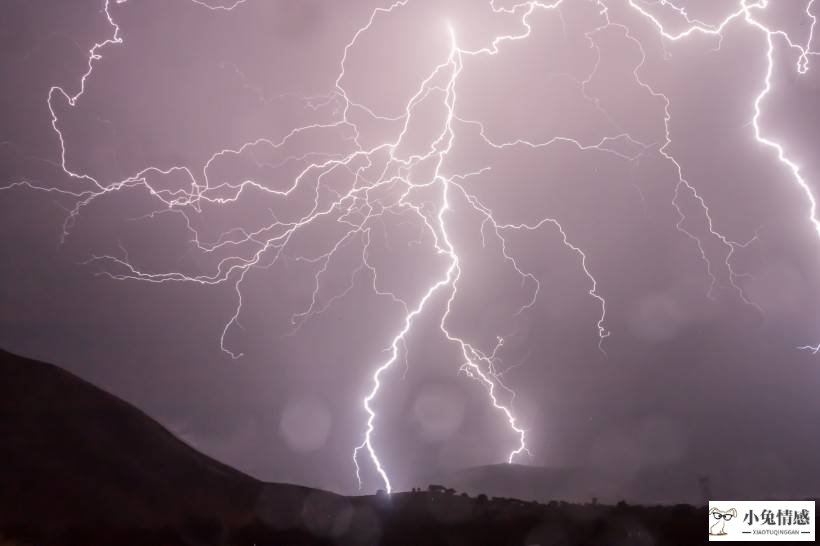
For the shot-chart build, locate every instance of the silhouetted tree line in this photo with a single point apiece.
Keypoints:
(437, 516)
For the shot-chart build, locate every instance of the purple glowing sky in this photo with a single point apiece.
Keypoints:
(586, 220)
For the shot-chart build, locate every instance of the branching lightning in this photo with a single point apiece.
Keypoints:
(381, 185)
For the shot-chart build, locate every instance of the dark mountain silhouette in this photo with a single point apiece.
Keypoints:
(79, 467)
(74, 455)
(658, 484)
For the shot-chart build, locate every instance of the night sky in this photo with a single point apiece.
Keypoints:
(124, 261)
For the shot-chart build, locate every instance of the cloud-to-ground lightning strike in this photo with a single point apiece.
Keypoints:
(385, 189)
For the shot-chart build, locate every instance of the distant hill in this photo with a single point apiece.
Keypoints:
(79, 467)
(73, 455)
(650, 485)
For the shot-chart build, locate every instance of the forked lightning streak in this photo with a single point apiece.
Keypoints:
(384, 186)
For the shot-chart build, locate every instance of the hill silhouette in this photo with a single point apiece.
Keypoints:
(83, 468)
(658, 484)
(74, 456)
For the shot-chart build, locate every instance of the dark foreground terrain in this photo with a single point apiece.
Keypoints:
(81, 467)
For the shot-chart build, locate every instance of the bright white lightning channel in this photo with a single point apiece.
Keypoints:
(367, 201)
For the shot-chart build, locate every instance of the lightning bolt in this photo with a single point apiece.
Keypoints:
(745, 13)
(381, 182)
